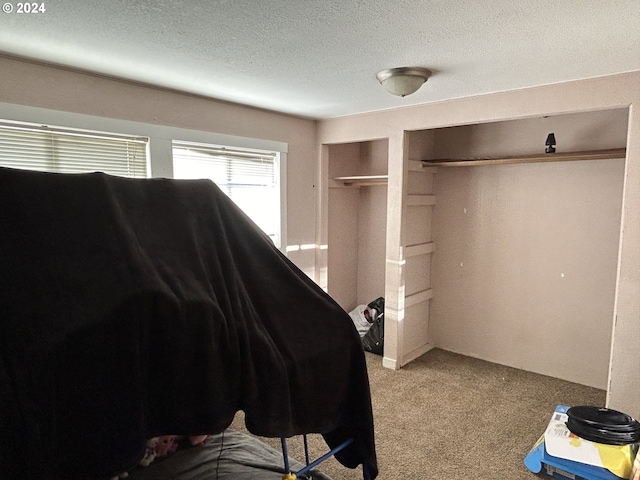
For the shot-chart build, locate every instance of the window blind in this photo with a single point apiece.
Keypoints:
(53, 149)
(249, 177)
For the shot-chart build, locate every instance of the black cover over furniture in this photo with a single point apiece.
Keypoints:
(136, 308)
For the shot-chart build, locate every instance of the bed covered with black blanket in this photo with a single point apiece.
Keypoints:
(137, 308)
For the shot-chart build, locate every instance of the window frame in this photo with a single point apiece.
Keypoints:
(59, 149)
(234, 150)
(159, 158)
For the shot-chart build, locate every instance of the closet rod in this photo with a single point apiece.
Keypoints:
(544, 157)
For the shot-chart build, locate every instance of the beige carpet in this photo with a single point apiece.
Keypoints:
(450, 417)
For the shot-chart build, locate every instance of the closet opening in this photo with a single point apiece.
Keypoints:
(357, 218)
(525, 265)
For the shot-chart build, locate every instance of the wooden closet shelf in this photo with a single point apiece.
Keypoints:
(543, 157)
(363, 180)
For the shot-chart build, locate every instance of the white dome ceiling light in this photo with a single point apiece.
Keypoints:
(403, 81)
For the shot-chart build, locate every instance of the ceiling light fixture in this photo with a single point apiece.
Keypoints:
(403, 81)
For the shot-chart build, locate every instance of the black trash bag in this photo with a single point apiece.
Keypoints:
(373, 340)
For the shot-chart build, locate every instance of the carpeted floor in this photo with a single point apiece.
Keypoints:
(450, 417)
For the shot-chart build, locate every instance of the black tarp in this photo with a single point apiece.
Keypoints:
(131, 308)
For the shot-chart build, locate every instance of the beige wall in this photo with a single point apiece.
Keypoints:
(372, 225)
(525, 270)
(35, 85)
(30, 84)
(525, 266)
(357, 223)
(343, 208)
(619, 91)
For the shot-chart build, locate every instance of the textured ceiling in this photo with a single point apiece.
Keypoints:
(318, 58)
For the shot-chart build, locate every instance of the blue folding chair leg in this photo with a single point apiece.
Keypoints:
(309, 465)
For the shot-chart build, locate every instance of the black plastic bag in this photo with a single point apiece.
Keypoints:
(373, 340)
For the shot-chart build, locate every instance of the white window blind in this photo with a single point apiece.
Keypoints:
(53, 149)
(249, 177)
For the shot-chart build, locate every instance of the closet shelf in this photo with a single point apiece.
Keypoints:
(363, 180)
(543, 157)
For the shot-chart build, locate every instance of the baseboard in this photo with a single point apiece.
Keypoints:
(412, 355)
(390, 363)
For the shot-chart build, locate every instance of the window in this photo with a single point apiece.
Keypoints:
(249, 177)
(64, 150)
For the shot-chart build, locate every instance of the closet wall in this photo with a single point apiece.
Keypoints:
(525, 266)
(357, 216)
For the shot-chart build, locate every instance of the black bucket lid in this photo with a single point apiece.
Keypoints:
(603, 425)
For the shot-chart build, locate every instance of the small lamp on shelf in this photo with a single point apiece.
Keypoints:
(550, 143)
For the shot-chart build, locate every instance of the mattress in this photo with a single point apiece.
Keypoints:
(230, 455)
